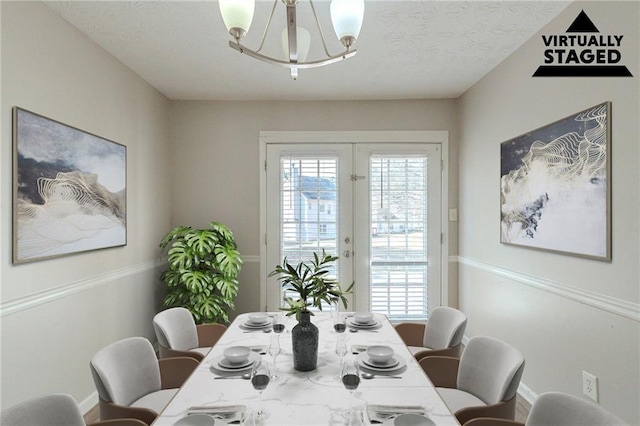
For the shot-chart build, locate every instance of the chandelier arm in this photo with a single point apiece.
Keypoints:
(292, 32)
(301, 65)
(266, 28)
(315, 15)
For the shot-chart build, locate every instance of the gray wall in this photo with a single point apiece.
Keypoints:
(57, 313)
(193, 162)
(217, 171)
(565, 313)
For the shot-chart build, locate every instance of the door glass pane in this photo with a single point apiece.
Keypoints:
(309, 207)
(398, 200)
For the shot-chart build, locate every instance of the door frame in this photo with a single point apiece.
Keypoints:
(351, 137)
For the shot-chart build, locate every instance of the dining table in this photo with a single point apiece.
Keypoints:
(315, 397)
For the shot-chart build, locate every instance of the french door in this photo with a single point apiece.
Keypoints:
(375, 205)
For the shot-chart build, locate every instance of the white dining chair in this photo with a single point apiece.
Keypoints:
(440, 336)
(481, 383)
(558, 409)
(132, 382)
(178, 335)
(53, 410)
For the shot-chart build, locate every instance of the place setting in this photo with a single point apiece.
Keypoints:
(235, 362)
(214, 415)
(257, 321)
(398, 415)
(380, 361)
(362, 321)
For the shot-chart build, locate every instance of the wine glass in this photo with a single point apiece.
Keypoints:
(339, 323)
(274, 351)
(278, 323)
(350, 380)
(341, 351)
(260, 377)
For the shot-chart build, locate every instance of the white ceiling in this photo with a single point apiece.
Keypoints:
(406, 50)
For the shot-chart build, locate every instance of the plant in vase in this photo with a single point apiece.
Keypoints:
(311, 285)
(202, 274)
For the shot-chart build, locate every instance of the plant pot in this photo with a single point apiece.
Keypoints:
(304, 338)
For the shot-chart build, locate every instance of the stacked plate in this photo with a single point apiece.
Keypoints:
(222, 364)
(391, 366)
(256, 325)
(372, 324)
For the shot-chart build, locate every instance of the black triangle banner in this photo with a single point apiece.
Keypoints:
(582, 24)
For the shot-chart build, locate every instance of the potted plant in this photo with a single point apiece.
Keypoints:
(312, 286)
(202, 274)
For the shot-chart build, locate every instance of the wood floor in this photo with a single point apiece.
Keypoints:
(522, 411)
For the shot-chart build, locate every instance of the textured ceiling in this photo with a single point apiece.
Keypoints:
(406, 50)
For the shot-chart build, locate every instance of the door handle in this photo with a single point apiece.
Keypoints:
(346, 253)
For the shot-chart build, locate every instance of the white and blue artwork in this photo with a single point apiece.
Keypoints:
(555, 186)
(69, 189)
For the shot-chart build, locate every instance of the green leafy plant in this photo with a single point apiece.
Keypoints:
(203, 267)
(310, 281)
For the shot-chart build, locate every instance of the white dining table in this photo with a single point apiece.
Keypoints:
(308, 398)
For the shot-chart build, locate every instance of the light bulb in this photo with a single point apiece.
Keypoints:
(237, 15)
(347, 17)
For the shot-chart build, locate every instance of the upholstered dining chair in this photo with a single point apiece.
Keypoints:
(558, 409)
(440, 336)
(133, 383)
(481, 383)
(179, 336)
(53, 410)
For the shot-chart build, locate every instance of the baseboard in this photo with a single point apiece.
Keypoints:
(88, 403)
(527, 393)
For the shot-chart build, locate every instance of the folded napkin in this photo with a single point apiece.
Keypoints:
(261, 349)
(381, 413)
(356, 349)
(228, 413)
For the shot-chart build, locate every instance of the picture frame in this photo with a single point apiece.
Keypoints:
(69, 189)
(555, 186)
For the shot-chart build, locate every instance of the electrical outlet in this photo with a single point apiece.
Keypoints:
(590, 385)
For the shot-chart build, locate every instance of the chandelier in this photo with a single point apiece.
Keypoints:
(346, 17)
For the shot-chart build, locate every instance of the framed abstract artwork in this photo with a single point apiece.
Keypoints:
(69, 189)
(555, 186)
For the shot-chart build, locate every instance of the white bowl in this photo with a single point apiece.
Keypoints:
(236, 354)
(363, 317)
(258, 317)
(379, 354)
(410, 419)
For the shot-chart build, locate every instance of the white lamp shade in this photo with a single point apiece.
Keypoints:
(237, 13)
(347, 16)
(303, 40)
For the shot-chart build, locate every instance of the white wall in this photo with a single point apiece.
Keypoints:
(216, 166)
(565, 313)
(57, 313)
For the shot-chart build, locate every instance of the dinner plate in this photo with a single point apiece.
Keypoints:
(266, 326)
(224, 363)
(364, 357)
(409, 420)
(215, 364)
(198, 420)
(351, 323)
(257, 325)
(392, 363)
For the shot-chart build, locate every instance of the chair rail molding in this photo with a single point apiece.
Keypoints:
(32, 300)
(610, 304)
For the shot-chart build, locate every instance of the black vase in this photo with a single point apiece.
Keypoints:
(304, 337)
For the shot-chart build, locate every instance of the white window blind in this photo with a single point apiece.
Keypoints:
(398, 197)
(309, 206)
